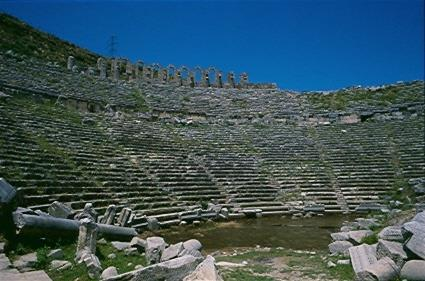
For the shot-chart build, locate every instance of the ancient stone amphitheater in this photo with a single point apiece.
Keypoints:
(161, 146)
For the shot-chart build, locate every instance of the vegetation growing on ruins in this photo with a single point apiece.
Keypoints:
(23, 39)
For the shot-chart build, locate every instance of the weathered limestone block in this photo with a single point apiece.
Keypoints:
(26, 262)
(416, 245)
(109, 216)
(86, 239)
(70, 63)
(38, 275)
(4, 262)
(391, 233)
(93, 265)
(420, 217)
(383, 270)
(413, 270)
(411, 228)
(60, 265)
(101, 66)
(138, 243)
(192, 244)
(357, 236)
(55, 254)
(340, 236)
(206, 270)
(109, 272)
(172, 252)
(88, 212)
(339, 247)
(153, 224)
(154, 248)
(60, 210)
(172, 270)
(366, 224)
(393, 250)
(7, 192)
(361, 257)
(124, 216)
(120, 245)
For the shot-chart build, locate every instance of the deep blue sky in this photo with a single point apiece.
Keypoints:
(301, 45)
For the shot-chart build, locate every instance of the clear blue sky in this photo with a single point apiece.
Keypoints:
(301, 45)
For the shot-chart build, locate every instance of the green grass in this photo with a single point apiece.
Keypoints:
(260, 264)
(370, 240)
(42, 248)
(23, 39)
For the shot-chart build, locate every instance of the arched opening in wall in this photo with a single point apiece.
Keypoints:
(198, 75)
(212, 73)
(155, 70)
(171, 69)
(184, 72)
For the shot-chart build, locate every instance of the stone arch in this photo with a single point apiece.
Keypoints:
(184, 74)
(171, 72)
(155, 69)
(197, 71)
(219, 79)
(231, 79)
(212, 75)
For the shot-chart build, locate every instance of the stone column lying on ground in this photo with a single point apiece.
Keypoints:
(31, 225)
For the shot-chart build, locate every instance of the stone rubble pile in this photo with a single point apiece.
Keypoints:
(399, 252)
(181, 261)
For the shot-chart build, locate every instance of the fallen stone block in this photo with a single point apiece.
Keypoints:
(411, 228)
(393, 250)
(367, 224)
(60, 210)
(172, 252)
(192, 244)
(109, 216)
(340, 247)
(357, 236)
(27, 276)
(4, 262)
(413, 270)
(383, 270)
(206, 270)
(120, 245)
(172, 270)
(154, 248)
(361, 257)
(391, 233)
(153, 224)
(416, 245)
(138, 243)
(109, 272)
(340, 236)
(25, 262)
(55, 254)
(60, 265)
(7, 192)
(420, 217)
